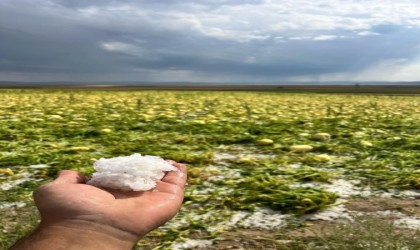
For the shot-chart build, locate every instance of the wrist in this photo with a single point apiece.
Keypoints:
(77, 234)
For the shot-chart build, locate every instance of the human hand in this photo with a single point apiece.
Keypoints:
(70, 205)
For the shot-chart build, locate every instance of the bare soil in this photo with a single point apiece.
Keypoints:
(293, 238)
(374, 204)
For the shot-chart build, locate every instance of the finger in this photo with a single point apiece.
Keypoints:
(178, 177)
(69, 177)
(165, 187)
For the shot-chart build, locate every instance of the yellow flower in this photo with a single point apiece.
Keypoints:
(322, 157)
(245, 160)
(202, 122)
(55, 117)
(366, 143)
(322, 136)
(146, 117)
(80, 148)
(265, 142)
(6, 171)
(303, 134)
(359, 134)
(300, 148)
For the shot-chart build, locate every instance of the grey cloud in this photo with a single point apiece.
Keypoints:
(58, 38)
(160, 3)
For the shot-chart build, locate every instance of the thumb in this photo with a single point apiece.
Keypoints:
(69, 177)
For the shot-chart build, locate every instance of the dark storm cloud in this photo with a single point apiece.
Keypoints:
(37, 41)
(205, 40)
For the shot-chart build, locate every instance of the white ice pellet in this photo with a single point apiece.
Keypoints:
(134, 172)
(192, 244)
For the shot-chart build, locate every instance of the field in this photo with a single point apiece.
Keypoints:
(267, 170)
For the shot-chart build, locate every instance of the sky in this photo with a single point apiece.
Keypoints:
(209, 40)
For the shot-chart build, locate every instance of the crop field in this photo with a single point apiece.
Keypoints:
(267, 170)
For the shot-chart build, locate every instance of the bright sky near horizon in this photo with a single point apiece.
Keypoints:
(210, 40)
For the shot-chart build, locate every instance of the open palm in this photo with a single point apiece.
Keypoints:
(68, 198)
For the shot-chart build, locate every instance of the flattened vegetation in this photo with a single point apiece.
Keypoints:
(250, 155)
